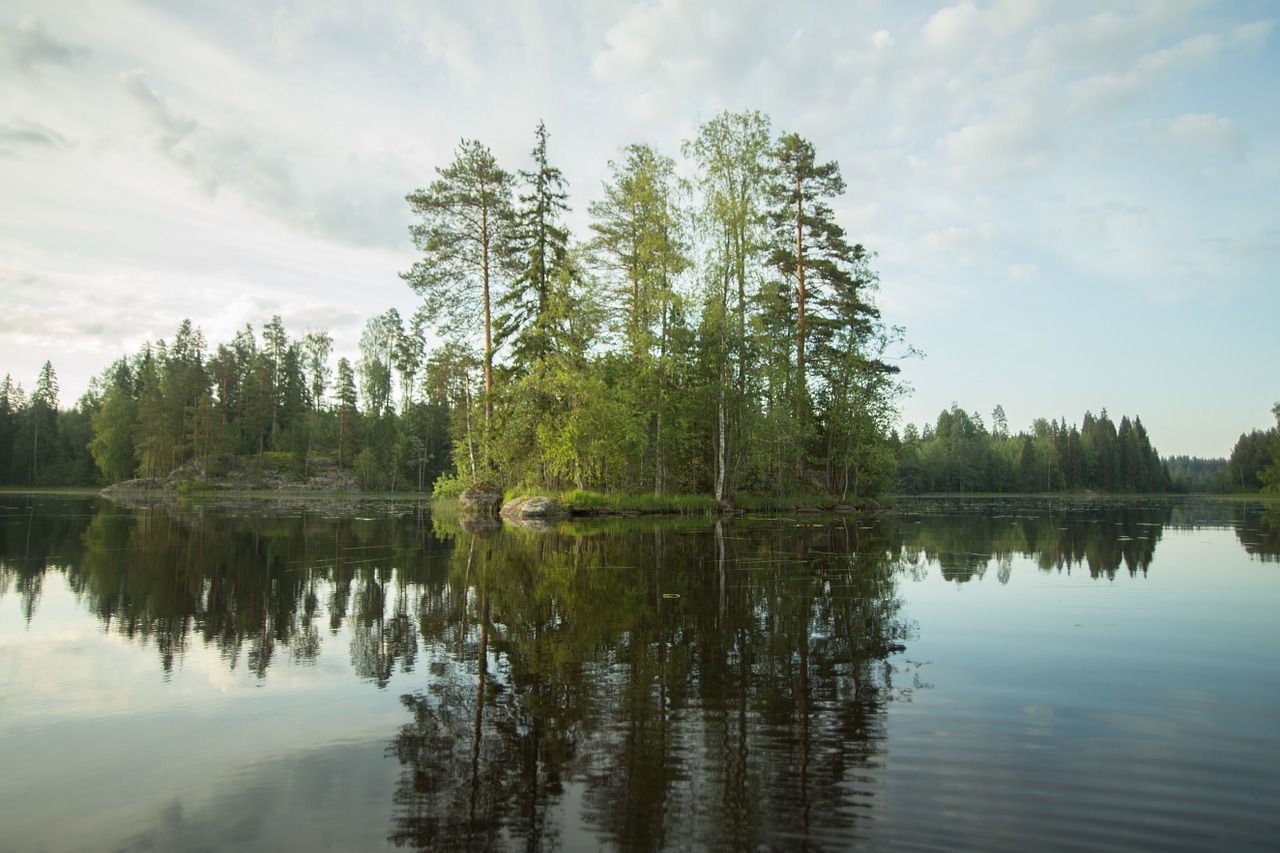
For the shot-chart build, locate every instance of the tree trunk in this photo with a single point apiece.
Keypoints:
(488, 334)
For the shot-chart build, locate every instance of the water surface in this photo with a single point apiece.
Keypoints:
(953, 674)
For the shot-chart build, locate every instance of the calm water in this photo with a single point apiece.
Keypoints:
(300, 676)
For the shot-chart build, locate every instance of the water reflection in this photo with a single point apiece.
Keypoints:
(728, 685)
(637, 685)
(1101, 536)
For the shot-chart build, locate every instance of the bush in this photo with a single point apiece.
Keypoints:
(448, 486)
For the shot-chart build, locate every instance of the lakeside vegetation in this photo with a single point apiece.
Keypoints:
(960, 454)
(715, 335)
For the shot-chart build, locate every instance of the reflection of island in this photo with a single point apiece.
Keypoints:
(723, 686)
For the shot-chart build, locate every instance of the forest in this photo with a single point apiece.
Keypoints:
(715, 333)
(959, 454)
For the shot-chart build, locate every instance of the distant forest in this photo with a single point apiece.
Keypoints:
(716, 333)
(959, 453)
(112, 434)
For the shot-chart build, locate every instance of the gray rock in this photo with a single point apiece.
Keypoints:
(539, 506)
(480, 499)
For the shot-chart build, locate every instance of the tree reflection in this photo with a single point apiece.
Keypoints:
(1102, 537)
(724, 685)
(246, 580)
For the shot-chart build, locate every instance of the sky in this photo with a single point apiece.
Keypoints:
(1074, 206)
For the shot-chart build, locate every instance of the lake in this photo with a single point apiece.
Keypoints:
(953, 674)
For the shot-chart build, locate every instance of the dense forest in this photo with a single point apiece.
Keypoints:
(716, 332)
(959, 454)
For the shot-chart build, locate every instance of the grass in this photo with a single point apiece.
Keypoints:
(582, 502)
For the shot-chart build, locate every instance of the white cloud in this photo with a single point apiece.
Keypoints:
(954, 28)
(1014, 144)
(1023, 272)
(1210, 133)
(29, 44)
(1254, 35)
(1105, 93)
(963, 28)
(20, 135)
(242, 160)
(962, 245)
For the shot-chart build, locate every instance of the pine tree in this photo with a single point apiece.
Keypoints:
(463, 234)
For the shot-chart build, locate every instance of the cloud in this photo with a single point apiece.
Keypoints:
(1252, 36)
(451, 42)
(20, 135)
(174, 127)
(676, 47)
(1109, 92)
(965, 29)
(953, 28)
(963, 244)
(270, 179)
(1023, 272)
(1115, 218)
(1013, 144)
(1208, 132)
(1106, 39)
(28, 44)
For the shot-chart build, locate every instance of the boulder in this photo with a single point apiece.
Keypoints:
(480, 499)
(535, 507)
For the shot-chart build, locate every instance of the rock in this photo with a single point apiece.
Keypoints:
(233, 475)
(535, 507)
(480, 499)
(480, 525)
(539, 507)
(142, 485)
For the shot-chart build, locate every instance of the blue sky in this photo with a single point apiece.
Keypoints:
(1074, 205)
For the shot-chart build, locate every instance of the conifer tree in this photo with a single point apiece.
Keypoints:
(539, 245)
(463, 233)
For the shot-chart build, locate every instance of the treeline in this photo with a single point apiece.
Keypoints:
(960, 454)
(1254, 465)
(40, 443)
(715, 334)
(1255, 461)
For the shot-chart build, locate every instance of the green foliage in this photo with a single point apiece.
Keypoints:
(958, 454)
(464, 234)
(449, 486)
(1270, 475)
(1250, 460)
(1194, 475)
